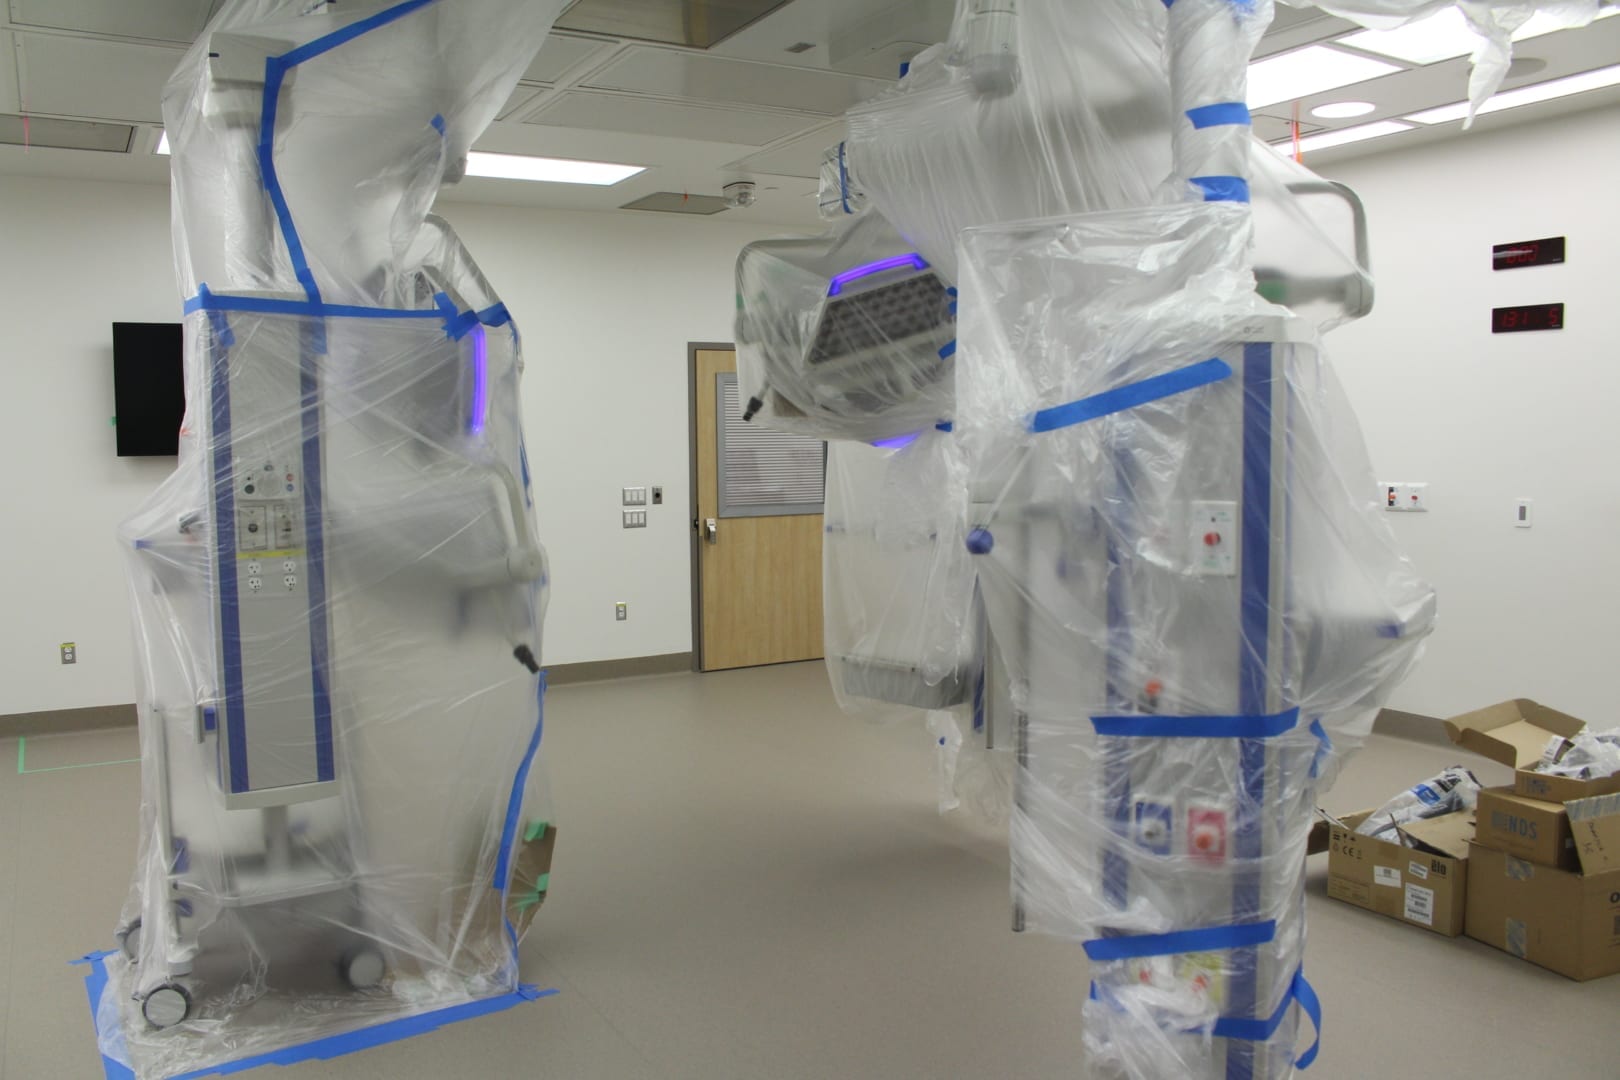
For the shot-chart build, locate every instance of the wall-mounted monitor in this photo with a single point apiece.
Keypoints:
(149, 388)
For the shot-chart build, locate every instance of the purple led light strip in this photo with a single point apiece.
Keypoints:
(479, 414)
(878, 267)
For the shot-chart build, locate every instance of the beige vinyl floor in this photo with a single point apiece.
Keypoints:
(750, 885)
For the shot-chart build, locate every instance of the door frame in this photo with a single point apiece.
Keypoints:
(693, 533)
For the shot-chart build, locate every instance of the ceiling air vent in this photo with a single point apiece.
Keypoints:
(65, 134)
(673, 202)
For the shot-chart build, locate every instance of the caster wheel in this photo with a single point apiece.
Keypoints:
(129, 941)
(166, 1006)
(363, 969)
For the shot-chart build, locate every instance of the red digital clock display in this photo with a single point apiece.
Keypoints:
(1546, 252)
(1512, 320)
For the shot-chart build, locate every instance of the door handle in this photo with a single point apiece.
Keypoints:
(711, 530)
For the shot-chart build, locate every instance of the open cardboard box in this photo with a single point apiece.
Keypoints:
(1515, 733)
(1527, 828)
(1568, 922)
(1426, 886)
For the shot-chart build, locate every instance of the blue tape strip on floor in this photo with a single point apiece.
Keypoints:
(319, 1049)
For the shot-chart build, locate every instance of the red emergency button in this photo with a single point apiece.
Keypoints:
(1212, 539)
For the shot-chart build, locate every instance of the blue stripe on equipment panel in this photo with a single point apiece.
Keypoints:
(230, 622)
(315, 543)
(514, 801)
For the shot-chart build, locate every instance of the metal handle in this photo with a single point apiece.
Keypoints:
(711, 530)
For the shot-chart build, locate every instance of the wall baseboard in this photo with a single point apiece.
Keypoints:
(628, 668)
(1412, 726)
(59, 721)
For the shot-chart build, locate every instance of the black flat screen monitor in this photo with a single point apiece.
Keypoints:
(149, 388)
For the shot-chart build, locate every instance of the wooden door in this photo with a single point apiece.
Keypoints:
(759, 566)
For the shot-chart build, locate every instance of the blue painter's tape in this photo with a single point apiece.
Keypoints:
(1223, 188)
(514, 801)
(1246, 1029)
(438, 123)
(259, 305)
(945, 426)
(332, 1046)
(1323, 749)
(843, 180)
(949, 350)
(495, 315)
(349, 33)
(1131, 395)
(1208, 939)
(1305, 994)
(1197, 727)
(1219, 115)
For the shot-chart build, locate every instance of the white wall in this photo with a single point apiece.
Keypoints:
(607, 304)
(1488, 418)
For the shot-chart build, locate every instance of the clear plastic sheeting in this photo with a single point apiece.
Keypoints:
(846, 336)
(338, 594)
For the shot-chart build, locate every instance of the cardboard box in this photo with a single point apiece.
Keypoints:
(1515, 733)
(1565, 921)
(1425, 887)
(1530, 829)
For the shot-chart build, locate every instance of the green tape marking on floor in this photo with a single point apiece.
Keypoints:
(22, 760)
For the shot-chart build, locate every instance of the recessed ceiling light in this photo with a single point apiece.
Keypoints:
(1343, 110)
(1525, 95)
(1311, 70)
(1355, 134)
(1444, 36)
(519, 167)
(548, 170)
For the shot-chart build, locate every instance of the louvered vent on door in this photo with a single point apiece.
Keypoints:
(765, 473)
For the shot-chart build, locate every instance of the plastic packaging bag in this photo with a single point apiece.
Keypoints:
(338, 594)
(1447, 792)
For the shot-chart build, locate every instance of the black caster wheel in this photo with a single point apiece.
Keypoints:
(364, 969)
(129, 941)
(166, 1006)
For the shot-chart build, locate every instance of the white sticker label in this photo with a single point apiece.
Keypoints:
(1386, 875)
(1419, 904)
(1418, 870)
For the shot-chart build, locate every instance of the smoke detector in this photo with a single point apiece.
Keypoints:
(739, 194)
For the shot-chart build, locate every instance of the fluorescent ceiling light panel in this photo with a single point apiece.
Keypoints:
(1525, 95)
(1311, 70)
(548, 170)
(1343, 110)
(1445, 36)
(163, 144)
(1345, 135)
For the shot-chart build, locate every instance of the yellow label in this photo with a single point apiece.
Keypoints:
(288, 554)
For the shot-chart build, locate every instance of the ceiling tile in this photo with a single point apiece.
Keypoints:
(645, 116)
(696, 77)
(560, 53)
(65, 134)
(522, 96)
(676, 22)
(161, 20)
(800, 157)
(102, 80)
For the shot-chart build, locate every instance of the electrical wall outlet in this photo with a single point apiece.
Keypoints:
(658, 496)
(1523, 518)
(635, 519)
(621, 612)
(70, 653)
(1403, 497)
